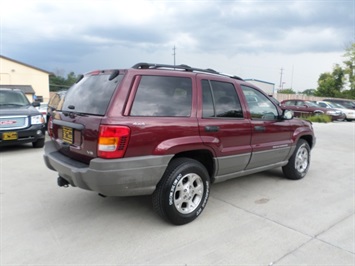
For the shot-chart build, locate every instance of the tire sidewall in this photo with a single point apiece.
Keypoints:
(306, 146)
(290, 170)
(170, 187)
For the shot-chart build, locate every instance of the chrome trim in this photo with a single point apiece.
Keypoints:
(26, 124)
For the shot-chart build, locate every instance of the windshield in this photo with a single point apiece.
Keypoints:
(337, 105)
(13, 98)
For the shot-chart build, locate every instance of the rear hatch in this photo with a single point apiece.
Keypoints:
(76, 124)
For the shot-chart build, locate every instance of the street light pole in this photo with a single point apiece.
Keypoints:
(174, 54)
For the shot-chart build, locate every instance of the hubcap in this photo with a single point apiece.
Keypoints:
(188, 193)
(301, 162)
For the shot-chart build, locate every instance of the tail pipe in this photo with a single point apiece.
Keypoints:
(62, 182)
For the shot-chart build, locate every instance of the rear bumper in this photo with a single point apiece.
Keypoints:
(110, 177)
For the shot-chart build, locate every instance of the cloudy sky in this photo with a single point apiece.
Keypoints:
(251, 39)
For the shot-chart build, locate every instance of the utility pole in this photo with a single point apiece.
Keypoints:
(281, 73)
(174, 54)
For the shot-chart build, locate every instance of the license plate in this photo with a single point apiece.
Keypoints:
(9, 135)
(68, 135)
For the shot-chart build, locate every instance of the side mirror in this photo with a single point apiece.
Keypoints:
(36, 104)
(287, 114)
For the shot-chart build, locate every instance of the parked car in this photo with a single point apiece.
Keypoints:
(20, 121)
(349, 113)
(305, 108)
(42, 108)
(170, 131)
(347, 103)
(54, 102)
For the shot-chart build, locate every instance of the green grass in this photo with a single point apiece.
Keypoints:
(318, 118)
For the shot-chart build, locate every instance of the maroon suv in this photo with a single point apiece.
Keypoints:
(170, 131)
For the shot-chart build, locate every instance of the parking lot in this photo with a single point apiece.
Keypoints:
(261, 219)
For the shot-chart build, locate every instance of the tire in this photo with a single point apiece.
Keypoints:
(182, 193)
(38, 144)
(298, 164)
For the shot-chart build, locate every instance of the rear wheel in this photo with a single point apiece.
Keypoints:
(298, 164)
(183, 191)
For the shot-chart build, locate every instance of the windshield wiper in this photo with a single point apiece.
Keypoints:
(12, 104)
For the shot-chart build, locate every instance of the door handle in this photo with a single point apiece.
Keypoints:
(211, 128)
(259, 128)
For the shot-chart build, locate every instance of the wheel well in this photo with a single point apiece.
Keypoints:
(309, 139)
(203, 156)
(318, 112)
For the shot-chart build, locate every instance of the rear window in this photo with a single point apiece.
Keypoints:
(163, 96)
(91, 95)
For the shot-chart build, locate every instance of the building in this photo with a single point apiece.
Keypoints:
(33, 81)
(267, 87)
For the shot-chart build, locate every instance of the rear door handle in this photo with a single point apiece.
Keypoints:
(211, 128)
(259, 128)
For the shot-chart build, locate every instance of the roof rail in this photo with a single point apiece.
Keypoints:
(180, 67)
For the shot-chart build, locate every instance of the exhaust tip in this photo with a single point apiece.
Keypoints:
(62, 182)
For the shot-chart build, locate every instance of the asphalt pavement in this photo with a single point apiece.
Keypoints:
(261, 219)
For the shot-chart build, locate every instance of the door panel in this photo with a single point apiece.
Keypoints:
(223, 127)
(271, 138)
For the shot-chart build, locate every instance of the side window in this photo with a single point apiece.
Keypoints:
(163, 96)
(289, 103)
(260, 106)
(220, 99)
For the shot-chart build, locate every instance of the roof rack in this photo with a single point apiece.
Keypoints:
(180, 67)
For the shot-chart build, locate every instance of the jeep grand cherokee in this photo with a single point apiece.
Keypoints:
(170, 131)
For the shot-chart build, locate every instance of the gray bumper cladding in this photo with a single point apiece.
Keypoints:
(110, 177)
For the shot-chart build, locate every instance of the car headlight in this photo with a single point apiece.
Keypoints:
(37, 119)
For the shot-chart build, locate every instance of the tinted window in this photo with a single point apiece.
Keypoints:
(220, 99)
(163, 96)
(91, 95)
(260, 106)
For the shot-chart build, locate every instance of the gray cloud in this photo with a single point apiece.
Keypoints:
(60, 33)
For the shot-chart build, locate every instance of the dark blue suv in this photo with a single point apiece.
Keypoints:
(20, 121)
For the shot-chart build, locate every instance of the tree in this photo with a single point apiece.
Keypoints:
(331, 84)
(309, 92)
(350, 65)
(57, 83)
(286, 91)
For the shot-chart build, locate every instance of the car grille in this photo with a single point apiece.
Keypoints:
(13, 122)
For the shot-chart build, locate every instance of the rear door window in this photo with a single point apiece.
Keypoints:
(163, 96)
(91, 95)
(220, 99)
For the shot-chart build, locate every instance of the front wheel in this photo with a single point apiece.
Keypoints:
(183, 191)
(298, 164)
(38, 144)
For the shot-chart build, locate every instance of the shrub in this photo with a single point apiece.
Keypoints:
(321, 118)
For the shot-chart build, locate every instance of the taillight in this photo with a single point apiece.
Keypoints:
(113, 141)
(50, 126)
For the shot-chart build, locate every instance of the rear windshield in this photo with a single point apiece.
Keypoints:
(91, 95)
